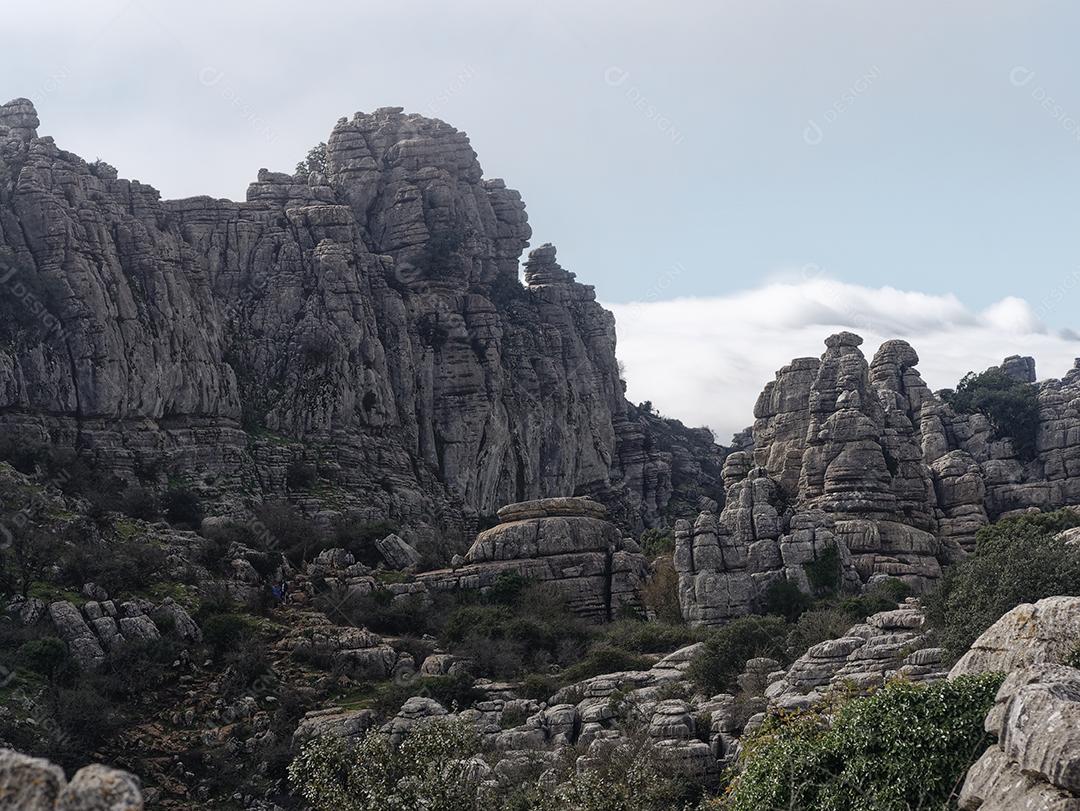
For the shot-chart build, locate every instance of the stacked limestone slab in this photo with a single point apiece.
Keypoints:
(860, 461)
(566, 542)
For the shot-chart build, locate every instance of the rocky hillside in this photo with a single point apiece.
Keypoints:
(364, 318)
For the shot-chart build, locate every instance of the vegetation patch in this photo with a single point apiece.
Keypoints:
(1011, 406)
(906, 746)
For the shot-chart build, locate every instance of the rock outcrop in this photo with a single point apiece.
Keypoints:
(888, 645)
(566, 542)
(33, 784)
(1030, 634)
(370, 319)
(1035, 763)
(861, 463)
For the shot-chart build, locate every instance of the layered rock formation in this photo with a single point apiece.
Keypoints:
(566, 542)
(370, 317)
(1035, 763)
(860, 467)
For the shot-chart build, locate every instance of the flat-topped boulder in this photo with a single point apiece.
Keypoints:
(564, 507)
(564, 541)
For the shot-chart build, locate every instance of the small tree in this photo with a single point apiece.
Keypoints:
(28, 550)
(316, 161)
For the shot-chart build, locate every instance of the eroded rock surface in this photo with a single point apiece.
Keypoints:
(33, 784)
(566, 542)
(1030, 634)
(860, 464)
(371, 317)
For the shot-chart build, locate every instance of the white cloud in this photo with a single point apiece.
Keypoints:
(704, 360)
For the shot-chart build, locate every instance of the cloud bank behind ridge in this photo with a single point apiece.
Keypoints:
(704, 360)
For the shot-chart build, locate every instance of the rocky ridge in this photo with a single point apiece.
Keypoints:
(367, 320)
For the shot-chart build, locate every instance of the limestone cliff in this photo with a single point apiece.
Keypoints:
(367, 320)
(859, 468)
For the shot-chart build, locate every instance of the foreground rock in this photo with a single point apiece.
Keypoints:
(566, 542)
(1030, 634)
(1035, 764)
(32, 784)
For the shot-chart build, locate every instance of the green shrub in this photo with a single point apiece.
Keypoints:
(630, 777)
(359, 535)
(1011, 406)
(224, 631)
(1017, 560)
(824, 572)
(183, 507)
(785, 599)
(378, 611)
(661, 593)
(289, 532)
(604, 659)
(316, 160)
(728, 649)
(141, 503)
(117, 564)
(427, 770)
(649, 637)
(450, 691)
(906, 746)
(46, 656)
(816, 626)
(657, 542)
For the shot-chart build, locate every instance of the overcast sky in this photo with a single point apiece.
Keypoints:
(844, 164)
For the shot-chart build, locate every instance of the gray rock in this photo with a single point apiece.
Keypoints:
(1030, 634)
(397, 553)
(32, 784)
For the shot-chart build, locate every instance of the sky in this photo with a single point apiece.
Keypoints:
(737, 179)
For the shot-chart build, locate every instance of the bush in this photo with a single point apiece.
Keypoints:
(224, 631)
(183, 507)
(604, 659)
(816, 626)
(906, 746)
(316, 160)
(728, 649)
(141, 503)
(785, 599)
(824, 572)
(450, 691)
(661, 595)
(630, 777)
(428, 770)
(378, 611)
(1016, 560)
(46, 656)
(359, 536)
(290, 532)
(117, 565)
(656, 542)
(1011, 406)
(300, 476)
(649, 637)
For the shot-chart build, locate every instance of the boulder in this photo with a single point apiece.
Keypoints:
(1046, 631)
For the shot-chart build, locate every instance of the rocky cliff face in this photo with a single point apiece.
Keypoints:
(859, 467)
(368, 321)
